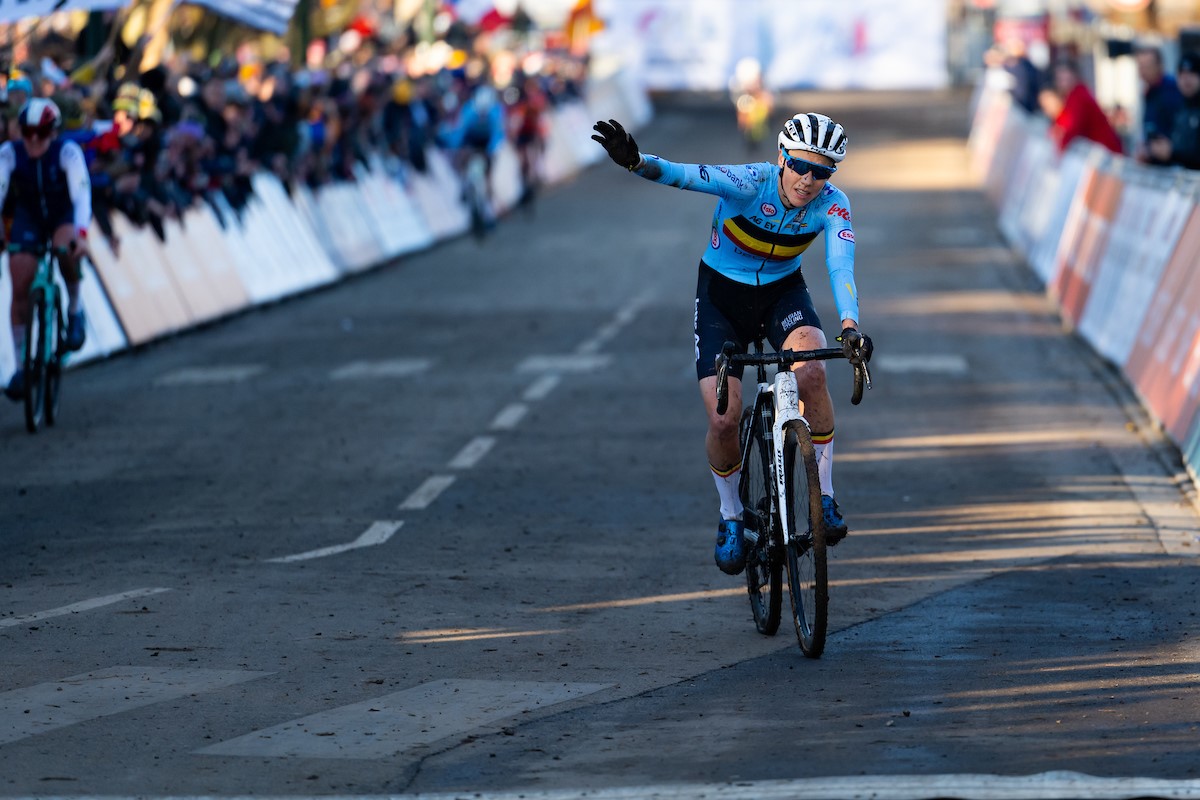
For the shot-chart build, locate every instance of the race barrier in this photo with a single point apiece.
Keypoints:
(218, 261)
(1116, 245)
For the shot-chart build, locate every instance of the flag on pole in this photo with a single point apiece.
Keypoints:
(15, 10)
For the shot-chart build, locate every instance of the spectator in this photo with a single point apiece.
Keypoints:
(1161, 101)
(1183, 146)
(1026, 80)
(1074, 111)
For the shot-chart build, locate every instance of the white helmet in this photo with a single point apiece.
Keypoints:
(815, 133)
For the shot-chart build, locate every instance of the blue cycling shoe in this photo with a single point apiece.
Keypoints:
(730, 555)
(15, 390)
(76, 331)
(835, 525)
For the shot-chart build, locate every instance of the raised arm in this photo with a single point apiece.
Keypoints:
(729, 181)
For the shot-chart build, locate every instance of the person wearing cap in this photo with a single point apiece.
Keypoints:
(750, 285)
(1182, 147)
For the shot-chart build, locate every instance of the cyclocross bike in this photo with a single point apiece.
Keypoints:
(781, 494)
(475, 187)
(45, 342)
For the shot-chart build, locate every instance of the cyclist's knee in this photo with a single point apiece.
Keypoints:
(810, 377)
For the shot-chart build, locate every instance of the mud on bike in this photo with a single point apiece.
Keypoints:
(781, 494)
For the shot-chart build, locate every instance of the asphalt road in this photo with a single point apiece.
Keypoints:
(448, 527)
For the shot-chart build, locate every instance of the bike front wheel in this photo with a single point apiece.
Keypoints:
(35, 361)
(764, 559)
(57, 348)
(808, 573)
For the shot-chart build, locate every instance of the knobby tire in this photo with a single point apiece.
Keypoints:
(808, 573)
(764, 561)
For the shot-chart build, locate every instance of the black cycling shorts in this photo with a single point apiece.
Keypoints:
(728, 311)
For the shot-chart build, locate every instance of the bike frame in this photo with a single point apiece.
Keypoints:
(785, 409)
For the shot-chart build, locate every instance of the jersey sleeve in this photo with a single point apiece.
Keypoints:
(79, 184)
(8, 161)
(839, 254)
(730, 181)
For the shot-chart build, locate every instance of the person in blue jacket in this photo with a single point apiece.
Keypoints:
(767, 214)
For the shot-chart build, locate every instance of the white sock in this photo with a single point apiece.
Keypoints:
(727, 488)
(73, 301)
(823, 445)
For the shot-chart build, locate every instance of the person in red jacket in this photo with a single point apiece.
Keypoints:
(1075, 112)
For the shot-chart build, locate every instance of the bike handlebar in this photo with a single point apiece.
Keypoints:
(784, 358)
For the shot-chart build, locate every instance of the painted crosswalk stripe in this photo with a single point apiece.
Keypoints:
(391, 368)
(57, 704)
(82, 605)
(427, 492)
(377, 534)
(473, 452)
(395, 723)
(198, 376)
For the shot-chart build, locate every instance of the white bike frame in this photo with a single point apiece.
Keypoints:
(785, 400)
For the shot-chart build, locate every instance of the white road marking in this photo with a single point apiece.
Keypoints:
(75, 608)
(623, 317)
(509, 417)
(472, 453)
(930, 362)
(427, 492)
(196, 376)
(393, 368)
(395, 723)
(569, 363)
(539, 389)
(1048, 785)
(377, 534)
(57, 704)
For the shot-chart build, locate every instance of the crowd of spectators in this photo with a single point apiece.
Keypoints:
(1168, 132)
(161, 140)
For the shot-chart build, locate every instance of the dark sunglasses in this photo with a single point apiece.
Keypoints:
(802, 167)
(35, 133)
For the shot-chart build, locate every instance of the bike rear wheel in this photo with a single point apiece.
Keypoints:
(35, 360)
(764, 562)
(808, 573)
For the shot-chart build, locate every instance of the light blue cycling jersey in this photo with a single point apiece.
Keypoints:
(755, 238)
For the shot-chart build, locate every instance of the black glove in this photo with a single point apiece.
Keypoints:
(620, 145)
(857, 346)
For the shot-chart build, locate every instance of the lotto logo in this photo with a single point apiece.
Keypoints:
(837, 211)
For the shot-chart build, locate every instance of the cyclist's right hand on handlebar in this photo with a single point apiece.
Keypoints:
(618, 143)
(857, 346)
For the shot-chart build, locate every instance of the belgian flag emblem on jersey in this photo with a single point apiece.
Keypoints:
(771, 245)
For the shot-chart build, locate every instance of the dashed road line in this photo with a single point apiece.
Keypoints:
(945, 364)
(542, 387)
(427, 492)
(509, 417)
(377, 534)
(391, 368)
(199, 376)
(472, 453)
(83, 605)
(567, 363)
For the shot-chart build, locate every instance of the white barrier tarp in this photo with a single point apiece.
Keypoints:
(1149, 222)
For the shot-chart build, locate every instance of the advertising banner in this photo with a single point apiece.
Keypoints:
(821, 44)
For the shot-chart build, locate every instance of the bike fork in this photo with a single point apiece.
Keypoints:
(787, 409)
